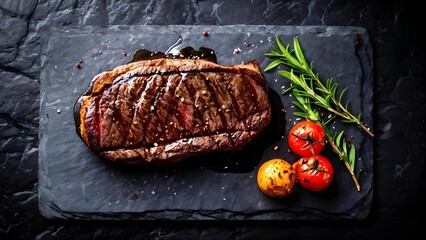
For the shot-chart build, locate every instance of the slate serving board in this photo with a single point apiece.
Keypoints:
(76, 184)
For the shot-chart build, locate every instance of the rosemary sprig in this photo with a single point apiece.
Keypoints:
(308, 89)
(310, 84)
(340, 147)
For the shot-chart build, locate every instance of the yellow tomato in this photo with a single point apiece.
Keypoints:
(276, 178)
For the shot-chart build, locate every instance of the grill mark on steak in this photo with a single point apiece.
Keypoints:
(151, 120)
(116, 118)
(254, 109)
(233, 110)
(137, 126)
(195, 90)
(172, 83)
(236, 108)
(172, 124)
(214, 121)
(132, 91)
(189, 115)
(123, 114)
(158, 121)
(182, 100)
(126, 112)
(135, 134)
(92, 123)
(245, 105)
(107, 100)
(161, 109)
(214, 95)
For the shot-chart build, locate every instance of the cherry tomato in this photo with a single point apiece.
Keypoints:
(306, 138)
(314, 173)
(276, 178)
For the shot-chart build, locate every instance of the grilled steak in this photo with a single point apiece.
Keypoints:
(165, 110)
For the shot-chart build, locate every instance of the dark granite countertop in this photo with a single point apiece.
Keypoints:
(399, 113)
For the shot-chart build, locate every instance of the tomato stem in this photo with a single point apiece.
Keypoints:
(309, 141)
(316, 168)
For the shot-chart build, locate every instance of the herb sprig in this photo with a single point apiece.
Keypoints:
(308, 89)
(310, 85)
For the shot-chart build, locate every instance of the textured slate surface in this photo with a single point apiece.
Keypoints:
(73, 183)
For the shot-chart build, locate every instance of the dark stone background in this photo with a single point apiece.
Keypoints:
(399, 171)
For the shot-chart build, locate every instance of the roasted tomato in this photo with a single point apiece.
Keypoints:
(276, 178)
(306, 138)
(314, 173)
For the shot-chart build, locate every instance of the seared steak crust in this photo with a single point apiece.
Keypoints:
(164, 110)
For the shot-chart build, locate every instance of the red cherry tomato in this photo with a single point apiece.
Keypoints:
(314, 173)
(306, 138)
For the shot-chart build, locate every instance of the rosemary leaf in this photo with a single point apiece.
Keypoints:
(351, 156)
(273, 65)
(345, 148)
(286, 74)
(280, 45)
(338, 138)
(273, 53)
(342, 93)
(284, 92)
(300, 114)
(299, 52)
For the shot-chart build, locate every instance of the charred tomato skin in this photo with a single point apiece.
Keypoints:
(276, 178)
(306, 138)
(314, 173)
